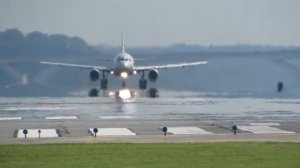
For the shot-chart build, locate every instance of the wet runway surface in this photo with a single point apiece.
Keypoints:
(188, 119)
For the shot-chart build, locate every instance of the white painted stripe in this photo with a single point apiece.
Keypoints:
(33, 133)
(61, 118)
(115, 117)
(264, 124)
(263, 129)
(38, 108)
(112, 132)
(188, 130)
(10, 118)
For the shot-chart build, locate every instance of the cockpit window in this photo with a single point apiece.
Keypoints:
(123, 59)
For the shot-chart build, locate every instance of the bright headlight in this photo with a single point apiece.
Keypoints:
(111, 93)
(124, 94)
(124, 75)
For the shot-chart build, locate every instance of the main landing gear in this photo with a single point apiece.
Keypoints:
(152, 92)
(104, 81)
(94, 92)
(143, 82)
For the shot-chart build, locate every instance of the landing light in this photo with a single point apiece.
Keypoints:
(111, 93)
(112, 72)
(124, 75)
(134, 72)
(135, 94)
(124, 94)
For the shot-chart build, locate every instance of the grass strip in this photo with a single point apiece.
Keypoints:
(154, 155)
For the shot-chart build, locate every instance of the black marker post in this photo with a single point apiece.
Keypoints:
(95, 130)
(234, 128)
(165, 130)
(25, 132)
(39, 131)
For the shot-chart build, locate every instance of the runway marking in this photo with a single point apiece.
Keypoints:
(33, 133)
(10, 118)
(114, 117)
(263, 129)
(264, 124)
(38, 108)
(188, 130)
(62, 118)
(112, 132)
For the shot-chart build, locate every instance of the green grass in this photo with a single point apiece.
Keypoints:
(152, 155)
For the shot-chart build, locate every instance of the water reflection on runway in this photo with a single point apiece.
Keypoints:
(151, 109)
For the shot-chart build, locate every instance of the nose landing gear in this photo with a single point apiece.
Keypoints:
(124, 84)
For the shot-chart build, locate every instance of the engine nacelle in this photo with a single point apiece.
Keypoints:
(94, 75)
(153, 75)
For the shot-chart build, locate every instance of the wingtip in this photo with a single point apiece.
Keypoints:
(204, 62)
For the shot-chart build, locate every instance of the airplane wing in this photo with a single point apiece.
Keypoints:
(76, 65)
(143, 59)
(181, 65)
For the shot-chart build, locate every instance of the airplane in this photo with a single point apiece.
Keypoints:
(123, 66)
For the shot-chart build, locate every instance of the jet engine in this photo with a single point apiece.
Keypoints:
(94, 75)
(153, 93)
(153, 75)
(94, 92)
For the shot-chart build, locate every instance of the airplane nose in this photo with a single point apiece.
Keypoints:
(126, 64)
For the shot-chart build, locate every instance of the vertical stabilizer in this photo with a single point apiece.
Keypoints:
(123, 47)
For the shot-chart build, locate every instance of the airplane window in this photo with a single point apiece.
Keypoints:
(124, 59)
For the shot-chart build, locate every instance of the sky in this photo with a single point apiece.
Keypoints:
(159, 22)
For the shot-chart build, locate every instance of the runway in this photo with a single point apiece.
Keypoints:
(71, 119)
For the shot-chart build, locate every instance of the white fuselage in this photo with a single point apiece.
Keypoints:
(123, 63)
